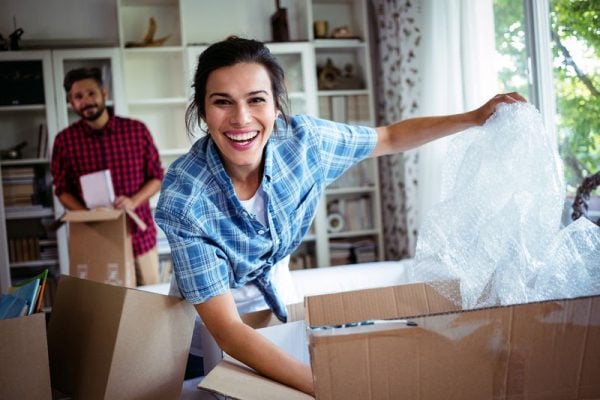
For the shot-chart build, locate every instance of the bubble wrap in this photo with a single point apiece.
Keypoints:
(497, 228)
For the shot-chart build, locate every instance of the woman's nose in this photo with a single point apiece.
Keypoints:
(240, 115)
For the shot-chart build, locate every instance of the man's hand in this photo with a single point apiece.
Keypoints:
(125, 203)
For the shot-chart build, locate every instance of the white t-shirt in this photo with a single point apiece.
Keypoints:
(248, 298)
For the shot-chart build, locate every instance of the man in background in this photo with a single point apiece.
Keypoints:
(99, 141)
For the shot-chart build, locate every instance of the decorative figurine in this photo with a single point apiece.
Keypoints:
(14, 39)
(149, 40)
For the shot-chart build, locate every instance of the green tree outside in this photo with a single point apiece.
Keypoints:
(575, 34)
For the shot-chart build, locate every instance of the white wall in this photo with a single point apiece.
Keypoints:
(51, 23)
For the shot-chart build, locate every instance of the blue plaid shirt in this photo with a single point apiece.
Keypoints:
(215, 244)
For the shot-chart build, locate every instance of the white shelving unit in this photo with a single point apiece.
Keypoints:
(153, 84)
(26, 208)
(158, 88)
(351, 210)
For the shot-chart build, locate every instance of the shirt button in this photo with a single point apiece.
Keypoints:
(261, 232)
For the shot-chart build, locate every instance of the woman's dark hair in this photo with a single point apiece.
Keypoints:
(80, 74)
(226, 53)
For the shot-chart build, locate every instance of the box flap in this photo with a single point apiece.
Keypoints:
(381, 303)
(24, 371)
(240, 382)
(111, 342)
(99, 214)
(102, 214)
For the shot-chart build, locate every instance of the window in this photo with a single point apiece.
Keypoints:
(549, 51)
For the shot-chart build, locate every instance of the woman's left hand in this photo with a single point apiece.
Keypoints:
(486, 110)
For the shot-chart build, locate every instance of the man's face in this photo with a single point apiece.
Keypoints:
(88, 99)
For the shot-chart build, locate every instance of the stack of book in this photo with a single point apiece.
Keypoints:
(25, 298)
(343, 252)
(302, 261)
(24, 249)
(18, 187)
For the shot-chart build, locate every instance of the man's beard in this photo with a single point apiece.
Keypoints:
(95, 115)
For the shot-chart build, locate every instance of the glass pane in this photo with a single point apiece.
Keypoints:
(511, 54)
(575, 32)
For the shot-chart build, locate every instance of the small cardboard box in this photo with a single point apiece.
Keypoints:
(545, 350)
(25, 373)
(112, 342)
(100, 246)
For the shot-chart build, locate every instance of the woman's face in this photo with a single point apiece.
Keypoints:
(240, 114)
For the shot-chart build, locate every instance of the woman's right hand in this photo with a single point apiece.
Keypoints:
(245, 344)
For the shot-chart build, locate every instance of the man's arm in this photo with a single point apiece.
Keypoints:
(248, 346)
(71, 202)
(143, 195)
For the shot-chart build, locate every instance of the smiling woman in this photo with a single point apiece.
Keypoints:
(240, 202)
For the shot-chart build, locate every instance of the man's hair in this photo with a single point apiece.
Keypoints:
(79, 74)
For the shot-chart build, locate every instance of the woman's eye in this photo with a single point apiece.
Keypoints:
(221, 102)
(257, 100)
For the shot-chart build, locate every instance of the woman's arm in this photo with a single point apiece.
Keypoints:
(411, 133)
(243, 343)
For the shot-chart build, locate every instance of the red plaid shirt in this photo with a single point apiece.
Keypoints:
(125, 147)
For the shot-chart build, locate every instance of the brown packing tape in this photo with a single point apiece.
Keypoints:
(138, 221)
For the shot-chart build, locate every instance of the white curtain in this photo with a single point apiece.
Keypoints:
(458, 74)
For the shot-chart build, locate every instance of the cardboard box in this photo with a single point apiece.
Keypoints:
(25, 373)
(100, 247)
(112, 342)
(545, 350)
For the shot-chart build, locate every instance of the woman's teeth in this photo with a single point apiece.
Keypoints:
(242, 137)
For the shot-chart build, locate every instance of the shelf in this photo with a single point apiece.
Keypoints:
(26, 213)
(24, 161)
(353, 92)
(351, 234)
(34, 263)
(310, 238)
(339, 43)
(28, 107)
(350, 190)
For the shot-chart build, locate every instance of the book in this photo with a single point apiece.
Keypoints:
(40, 297)
(12, 306)
(97, 189)
(29, 290)
(42, 142)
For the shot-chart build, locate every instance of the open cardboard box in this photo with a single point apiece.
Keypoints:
(545, 350)
(100, 246)
(24, 371)
(112, 342)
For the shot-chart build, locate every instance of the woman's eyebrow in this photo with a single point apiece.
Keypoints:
(253, 93)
